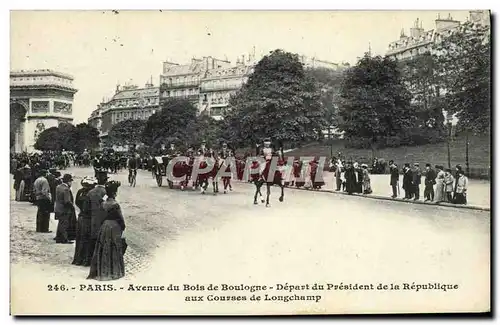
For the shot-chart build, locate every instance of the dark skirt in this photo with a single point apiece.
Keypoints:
(72, 224)
(83, 249)
(107, 261)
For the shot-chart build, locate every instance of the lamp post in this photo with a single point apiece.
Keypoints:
(448, 138)
(330, 139)
(467, 153)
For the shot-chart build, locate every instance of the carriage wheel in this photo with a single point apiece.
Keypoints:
(159, 180)
(170, 184)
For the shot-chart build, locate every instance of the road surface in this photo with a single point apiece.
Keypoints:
(187, 238)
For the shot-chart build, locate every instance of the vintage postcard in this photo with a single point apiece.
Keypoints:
(250, 162)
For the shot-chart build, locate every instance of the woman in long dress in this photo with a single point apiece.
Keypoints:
(440, 186)
(366, 180)
(83, 251)
(107, 261)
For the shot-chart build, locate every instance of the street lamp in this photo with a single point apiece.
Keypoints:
(449, 124)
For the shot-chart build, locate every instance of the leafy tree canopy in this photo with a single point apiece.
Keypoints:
(68, 137)
(278, 101)
(49, 140)
(127, 132)
(170, 124)
(464, 62)
(375, 104)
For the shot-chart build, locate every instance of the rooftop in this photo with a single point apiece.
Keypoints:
(135, 93)
(40, 72)
(229, 71)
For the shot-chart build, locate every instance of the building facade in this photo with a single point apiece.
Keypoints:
(184, 80)
(128, 102)
(420, 41)
(47, 98)
(209, 82)
(217, 87)
(95, 119)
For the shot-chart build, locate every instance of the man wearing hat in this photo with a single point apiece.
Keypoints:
(97, 214)
(203, 147)
(416, 181)
(53, 179)
(43, 199)
(64, 209)
(267, 151)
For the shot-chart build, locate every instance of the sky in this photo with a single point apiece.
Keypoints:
(101, 48)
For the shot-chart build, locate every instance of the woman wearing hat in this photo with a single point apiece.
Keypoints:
(64, 211)
(367, 187)
(107, 261)
(83, 251)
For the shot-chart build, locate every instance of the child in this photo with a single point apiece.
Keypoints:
(366, 180)
(448, 185)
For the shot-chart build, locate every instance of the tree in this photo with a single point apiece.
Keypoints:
(375, 104)
(329, 81)
(170, 124)
(68, 137)
(49, 140)
(87, 137)
(278, 101)
(421, 77)
(127, 132)
(205, 128)
(464, 63)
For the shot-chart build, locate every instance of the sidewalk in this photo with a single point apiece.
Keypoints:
(478, 192)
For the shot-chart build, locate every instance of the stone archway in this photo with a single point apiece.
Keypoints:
(18, 111)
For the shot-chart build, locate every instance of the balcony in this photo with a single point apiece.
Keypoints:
(194, 97)
(219, 87)
(175, 85)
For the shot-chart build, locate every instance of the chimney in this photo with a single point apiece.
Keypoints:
(447, 23)
(402, 35)
(416, 30)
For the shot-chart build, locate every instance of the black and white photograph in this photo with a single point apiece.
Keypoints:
(203, 162)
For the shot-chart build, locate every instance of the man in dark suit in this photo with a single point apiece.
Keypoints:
(416, 180)
(393, 168)
(408, 181)
(430, 180)
(97, 214)
(64, 209)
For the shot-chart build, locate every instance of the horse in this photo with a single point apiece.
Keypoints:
(263, 178)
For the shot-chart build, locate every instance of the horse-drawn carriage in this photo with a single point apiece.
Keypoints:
(180, 171)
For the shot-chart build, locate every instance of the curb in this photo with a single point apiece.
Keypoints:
(385, 198)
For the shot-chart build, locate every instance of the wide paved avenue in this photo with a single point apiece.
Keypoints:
(187, 238)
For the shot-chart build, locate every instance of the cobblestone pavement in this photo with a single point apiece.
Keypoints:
(187, 238)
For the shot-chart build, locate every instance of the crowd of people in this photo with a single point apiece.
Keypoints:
(97, 232)
(440, 184)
